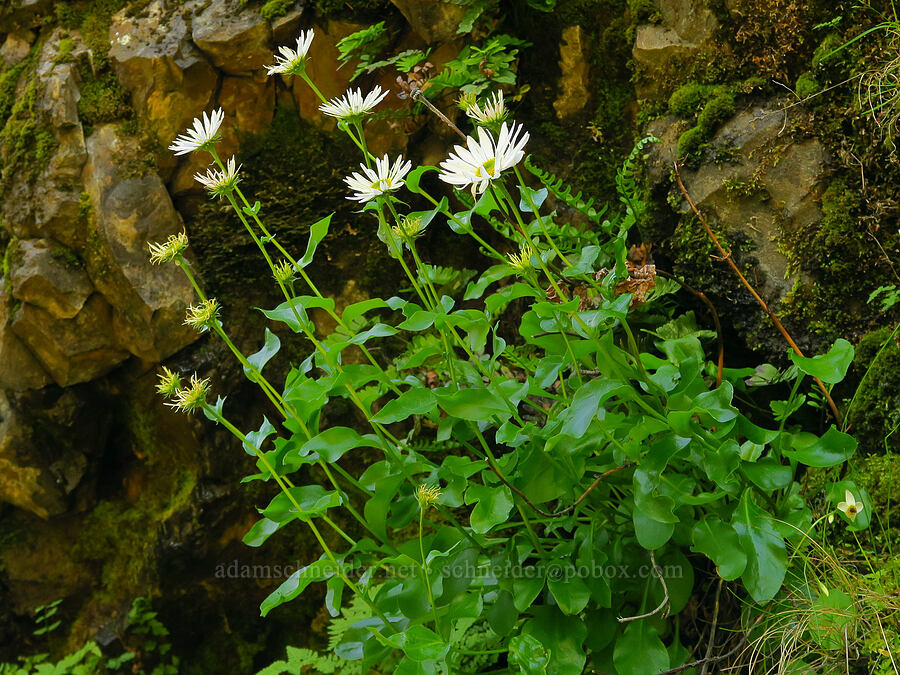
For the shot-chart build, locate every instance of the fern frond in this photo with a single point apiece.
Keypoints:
(563, 192)
(626, 183)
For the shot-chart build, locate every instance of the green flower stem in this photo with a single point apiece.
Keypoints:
(362, 143)
(312, 86)
(308, 281)
(434, 613)
(536, 212)
(284, 488)
(468, 228)
(284, 410)
(490, 456)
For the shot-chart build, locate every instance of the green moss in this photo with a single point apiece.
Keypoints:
(26, 142)
(691, 141)
(716, 112)
(876, 411)
(9, 80)
(830, 257)
(102, 100)
(9, 254)
(275, 8)
(807, 85)
(688, 98)
(827, 49)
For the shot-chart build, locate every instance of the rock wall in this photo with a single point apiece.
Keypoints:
(105, 494)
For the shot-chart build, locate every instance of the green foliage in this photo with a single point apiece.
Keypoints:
(146, 637)
(275, 8)
(491, 413)
(477, 68)
(714, 113)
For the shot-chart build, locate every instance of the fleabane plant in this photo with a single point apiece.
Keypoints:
(542, 492)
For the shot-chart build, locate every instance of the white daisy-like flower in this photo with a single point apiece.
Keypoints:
(850, 507)
(292, 61)
(220, 183)
(375, 182)
(202, 137)
(483, 160)
(352, 106)
(493, 113)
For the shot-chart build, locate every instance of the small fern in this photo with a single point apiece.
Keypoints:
(301, 660)
(563, 192)
(626, 183)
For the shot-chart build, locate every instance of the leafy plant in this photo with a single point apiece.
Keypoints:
(542, 471)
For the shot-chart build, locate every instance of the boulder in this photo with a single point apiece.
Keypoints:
(16, 47)
(170, 80)
(50, 276)
(686, 28)
(128, 212)
(22, 14)
(433, 20)
(234, 36)
(48, 206)
(574, 84)
(71, 350)
(19, 369)
(24, 481)
(772, 183)
(286, 28)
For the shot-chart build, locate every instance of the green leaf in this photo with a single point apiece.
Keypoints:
(719, 542)
(332, 443)
(639, 651)
(571, 593)
(587, 401)
(526, 587)
(650, 533)
(764, 547)
(833, 447)
(502, 615)
(830, 367)
(417, 401)
(529, 655)
(536, 197)
(830, 615)
(415, 176)
(560, 635)
(294, 585)
(768, 473)
(261, 358)
(312, 500)
(475, 404)
(420, 644)
(261, 530)
(492, 506)
(317, 233)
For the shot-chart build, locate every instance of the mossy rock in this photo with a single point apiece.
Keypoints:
(875, 415)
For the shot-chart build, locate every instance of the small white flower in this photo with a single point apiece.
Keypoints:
(220, 183)
(850, 507)
(375, 182)
(493, 113)
(292, 61)
(352, 107)
(202, 137)
(484, 160)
